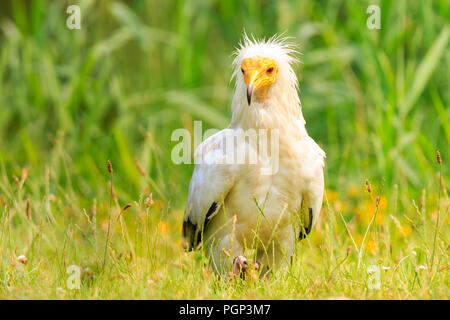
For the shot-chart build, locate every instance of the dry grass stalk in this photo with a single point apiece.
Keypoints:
(113, 193)
(149, 200)
(361, 249)
(24, 176)
(28, 210)
(94, 218)
(436, 228)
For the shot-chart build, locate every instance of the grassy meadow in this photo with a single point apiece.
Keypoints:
(377, 101)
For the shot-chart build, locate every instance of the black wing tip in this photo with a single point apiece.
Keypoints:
(305, 231)
(189, 231)
(191, 235)
(211, 210)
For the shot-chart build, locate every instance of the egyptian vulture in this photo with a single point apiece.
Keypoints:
(246, 198)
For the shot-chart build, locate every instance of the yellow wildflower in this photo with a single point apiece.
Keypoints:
(331, 195)
(405, 231)
(162, 227)
(353, 191)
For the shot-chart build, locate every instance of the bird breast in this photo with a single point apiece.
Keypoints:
(278, 195)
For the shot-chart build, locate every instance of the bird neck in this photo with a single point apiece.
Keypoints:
(279, 109)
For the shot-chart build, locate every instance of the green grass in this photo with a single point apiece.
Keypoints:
(377, 101)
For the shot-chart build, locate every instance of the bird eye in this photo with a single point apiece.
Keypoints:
(243, 72)
(270, 70)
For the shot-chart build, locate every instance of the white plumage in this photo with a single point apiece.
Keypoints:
(233, 207)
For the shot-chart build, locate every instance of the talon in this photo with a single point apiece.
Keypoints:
(240, 266)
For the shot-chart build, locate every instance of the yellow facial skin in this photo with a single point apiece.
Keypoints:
(259, 73)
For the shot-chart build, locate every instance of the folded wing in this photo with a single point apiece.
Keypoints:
(211, 181)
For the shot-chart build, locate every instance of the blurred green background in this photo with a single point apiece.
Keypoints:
(377, 101)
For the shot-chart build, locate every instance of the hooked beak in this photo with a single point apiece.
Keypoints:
(249, 93)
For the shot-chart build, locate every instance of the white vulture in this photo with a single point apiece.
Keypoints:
(238, 206)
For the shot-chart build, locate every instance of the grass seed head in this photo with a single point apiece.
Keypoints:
(28, 210)
(438, 157)
(149, 200)
(139, 167)
(369, 186)
(110, 168)
(125, 207)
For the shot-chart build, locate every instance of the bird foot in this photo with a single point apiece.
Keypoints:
(241, 267)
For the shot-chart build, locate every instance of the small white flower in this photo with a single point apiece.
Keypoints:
(87, 270)
(385, 268)
(22, 259)
(414, 253)
(420, 267)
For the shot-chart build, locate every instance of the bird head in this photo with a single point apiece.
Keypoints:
(264, 67)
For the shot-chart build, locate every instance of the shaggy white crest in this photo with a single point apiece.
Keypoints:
(277, 48)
